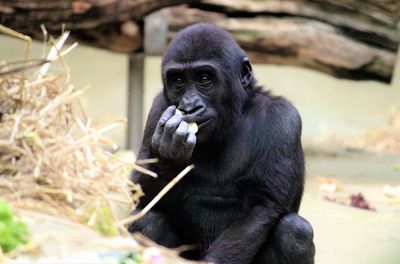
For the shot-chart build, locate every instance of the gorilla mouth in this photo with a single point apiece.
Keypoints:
(201, 122)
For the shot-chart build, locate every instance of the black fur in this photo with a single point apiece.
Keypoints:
(239, 205)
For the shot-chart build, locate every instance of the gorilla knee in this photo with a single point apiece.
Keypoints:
(297, 227)
(295, 235)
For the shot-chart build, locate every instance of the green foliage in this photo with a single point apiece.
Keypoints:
(34, 137)
(397, 167)
(103, 222)
(12, 232)
(132, 258)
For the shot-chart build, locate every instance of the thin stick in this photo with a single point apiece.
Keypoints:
(77, 93)
(69, 49)
(15, 128)
(24, 68)
(144, 171)
(16, 63)
(146, 161)
(53, 54)
(82, 110)
(109, 126)
(184, 248)
(157, 198)
(16, 34)
(44, 31)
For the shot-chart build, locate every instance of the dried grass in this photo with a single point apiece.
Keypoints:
(51, 159)
(381, 139)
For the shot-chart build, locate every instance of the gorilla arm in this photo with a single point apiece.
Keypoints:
(272, 187)
(154, 224)
(241, 241)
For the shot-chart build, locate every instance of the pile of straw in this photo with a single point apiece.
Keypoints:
(51, 159)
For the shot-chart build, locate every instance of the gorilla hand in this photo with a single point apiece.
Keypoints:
(172, 138)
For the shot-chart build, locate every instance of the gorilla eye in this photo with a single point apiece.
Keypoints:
(179, 82)
(205, 79)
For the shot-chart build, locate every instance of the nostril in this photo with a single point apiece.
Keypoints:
(194, 109)
(188, 111)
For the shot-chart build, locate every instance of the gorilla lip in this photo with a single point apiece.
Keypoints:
(203, 123)
(199, 122)
(193, 127)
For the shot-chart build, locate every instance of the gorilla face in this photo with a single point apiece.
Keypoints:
(204, 73)
(195, 89)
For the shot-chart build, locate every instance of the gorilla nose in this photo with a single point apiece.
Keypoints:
(191, 105)
(192, 110)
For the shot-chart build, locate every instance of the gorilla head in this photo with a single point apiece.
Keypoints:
(207, 76)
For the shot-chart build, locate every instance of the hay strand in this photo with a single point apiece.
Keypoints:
(157, 198)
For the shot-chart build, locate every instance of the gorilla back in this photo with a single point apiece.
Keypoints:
(240, 203)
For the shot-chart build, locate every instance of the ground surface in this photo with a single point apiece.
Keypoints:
(348, 235)
(343, 234)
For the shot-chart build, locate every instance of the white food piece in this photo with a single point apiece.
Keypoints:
(192, 126)
(178, 112)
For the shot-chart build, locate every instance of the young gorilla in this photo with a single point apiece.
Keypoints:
(239, 205)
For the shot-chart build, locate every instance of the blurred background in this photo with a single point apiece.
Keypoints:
(337, 61)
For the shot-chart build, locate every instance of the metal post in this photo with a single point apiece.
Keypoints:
(135, 101)
(155, 42)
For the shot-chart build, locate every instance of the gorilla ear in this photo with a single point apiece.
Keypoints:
(246, 72)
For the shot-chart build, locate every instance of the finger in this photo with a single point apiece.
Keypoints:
(155, 141)
(171, 125)
(180, 134)
(190, 140)
(167, 114)
(166, 145)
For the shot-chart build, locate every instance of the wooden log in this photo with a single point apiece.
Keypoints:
(110, 24)
(356, 39)
(296, 41)
(372, 21)
(305, 33)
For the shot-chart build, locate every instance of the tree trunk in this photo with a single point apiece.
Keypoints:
(355, 39)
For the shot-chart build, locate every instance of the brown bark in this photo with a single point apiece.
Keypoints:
(109, 24)
(365, 19)
(355, 39)
(298, 41)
